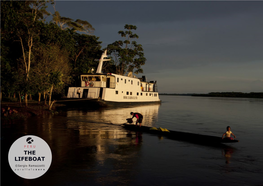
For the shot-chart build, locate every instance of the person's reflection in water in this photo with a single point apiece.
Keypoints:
(227, 152)
(138, 138)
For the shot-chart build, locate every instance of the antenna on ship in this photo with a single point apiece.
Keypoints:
(104, 55)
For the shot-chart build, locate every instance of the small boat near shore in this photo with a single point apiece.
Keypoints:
(180, 136)
(104, 88)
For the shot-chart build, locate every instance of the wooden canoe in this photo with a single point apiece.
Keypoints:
(181, 136)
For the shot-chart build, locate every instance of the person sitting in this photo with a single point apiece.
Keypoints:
(228, 134)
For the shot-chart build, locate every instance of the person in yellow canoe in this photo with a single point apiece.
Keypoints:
(228, 134)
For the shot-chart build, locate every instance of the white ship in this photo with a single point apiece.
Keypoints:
(115, 88)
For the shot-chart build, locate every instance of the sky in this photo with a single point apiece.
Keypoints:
(190, 46)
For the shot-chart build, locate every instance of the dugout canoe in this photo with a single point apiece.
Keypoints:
(181, 136)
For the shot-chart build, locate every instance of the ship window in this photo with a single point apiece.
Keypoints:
(130, 93)
(131, 82)
(127, 93)
(117, 92)
(121, 78)
(138, 83)
(141, 94)
(155, 95)
(146, 94)
(137, 93)
(117, 79)
(125, 81)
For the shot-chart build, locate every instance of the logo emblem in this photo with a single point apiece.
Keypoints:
(29, 140)
(29, 157)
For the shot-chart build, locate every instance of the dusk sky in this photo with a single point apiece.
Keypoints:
(190, 46)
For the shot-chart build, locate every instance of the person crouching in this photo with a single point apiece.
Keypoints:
(139, 118)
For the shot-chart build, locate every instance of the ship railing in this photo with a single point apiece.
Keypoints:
(95, 84)
(99, 84)
(149, 89)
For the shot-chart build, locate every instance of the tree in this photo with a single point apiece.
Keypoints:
(128, 55)
(68, 23)
(34, 53)
(22, 21)
(30, 24)
(86, 49)
(51, 70)
(10, 46)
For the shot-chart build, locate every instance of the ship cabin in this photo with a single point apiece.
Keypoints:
(114, 87)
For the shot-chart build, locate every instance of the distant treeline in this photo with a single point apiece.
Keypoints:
(233, 94)
(223, 94)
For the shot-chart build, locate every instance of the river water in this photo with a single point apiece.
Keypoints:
(89, 147)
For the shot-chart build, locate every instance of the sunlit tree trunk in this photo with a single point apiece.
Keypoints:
(26, 99)
(27, 60)
(50, 95)
(45, 98)
(39, 97)
(19, 94)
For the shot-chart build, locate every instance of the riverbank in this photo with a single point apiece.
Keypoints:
(13, 111)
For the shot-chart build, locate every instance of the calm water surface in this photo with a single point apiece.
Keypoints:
(89, 147)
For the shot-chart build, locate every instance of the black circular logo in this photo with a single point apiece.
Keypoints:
(29, 140)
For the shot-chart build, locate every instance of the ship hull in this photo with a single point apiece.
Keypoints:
(91, 103)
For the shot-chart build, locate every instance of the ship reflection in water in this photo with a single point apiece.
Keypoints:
(100, 132)
(106, 122)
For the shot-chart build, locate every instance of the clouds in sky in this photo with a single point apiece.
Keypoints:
(189, 46)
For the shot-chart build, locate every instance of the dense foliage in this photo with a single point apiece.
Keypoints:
(40, 57)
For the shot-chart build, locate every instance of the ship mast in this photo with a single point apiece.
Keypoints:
(104, 55)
